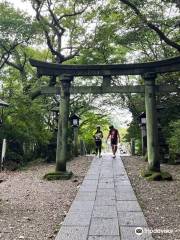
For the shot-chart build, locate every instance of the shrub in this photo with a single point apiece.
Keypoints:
(174, 140)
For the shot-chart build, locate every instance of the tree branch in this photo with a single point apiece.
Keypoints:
(161, 35)
(74, 13)
(5, 56)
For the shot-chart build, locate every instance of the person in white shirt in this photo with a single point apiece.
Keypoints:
(98, 140)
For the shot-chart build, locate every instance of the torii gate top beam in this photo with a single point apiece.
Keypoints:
(51, 69)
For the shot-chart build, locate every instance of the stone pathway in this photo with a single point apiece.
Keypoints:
(105, 207)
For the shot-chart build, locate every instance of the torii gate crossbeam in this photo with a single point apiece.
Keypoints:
(52, 69)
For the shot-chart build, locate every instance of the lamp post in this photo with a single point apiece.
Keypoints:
(74, 120)
(142, 124)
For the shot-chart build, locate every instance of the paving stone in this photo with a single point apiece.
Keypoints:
(90, 182)
(104, 226)
(118, 166)
(93, 172)
(77, 219)
(105, 192)
(131, 219)
(104, 238)
(123, 188)
(95, 162)
(85, 196)
(88, 188)
(105, 212)
(106, 185)
(102, 179)
(122, 173)
(72, 233)
(107, 168)
(95, 165)
(120, 177)
(106, 175)
(82, 206)
(128, 206)
(121, 182)
(106, 180)
(128, 195)
(128, 233)
(105, 201)
(92, 176)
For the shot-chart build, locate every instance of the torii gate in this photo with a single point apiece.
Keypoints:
(148, 71)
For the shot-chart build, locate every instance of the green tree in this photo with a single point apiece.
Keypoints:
(16, 28)
(174, 139)
(89, 122)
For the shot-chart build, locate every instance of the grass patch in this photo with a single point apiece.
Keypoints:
(58, 176)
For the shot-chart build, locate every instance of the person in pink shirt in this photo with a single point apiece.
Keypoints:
(115, 138)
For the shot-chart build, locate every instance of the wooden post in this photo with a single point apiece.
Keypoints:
(61, 152)
(75, 141)
(151, 122)
(132, 146)
(143, 139)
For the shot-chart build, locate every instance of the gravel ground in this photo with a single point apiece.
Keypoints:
(32, 208)
(160, 201)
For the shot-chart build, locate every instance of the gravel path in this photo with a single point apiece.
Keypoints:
(160, 201)
(32, 208)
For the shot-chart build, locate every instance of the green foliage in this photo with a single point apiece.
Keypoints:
(133, 131)
(123, 133)
(90, 120)
(24, 121)
(16, 28)
(174, 139)
(14, 25)
(13, 161)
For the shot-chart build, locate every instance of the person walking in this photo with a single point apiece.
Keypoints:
(98, 140)
(115, 138)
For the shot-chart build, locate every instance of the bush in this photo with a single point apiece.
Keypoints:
(13, 161)
(174, 140)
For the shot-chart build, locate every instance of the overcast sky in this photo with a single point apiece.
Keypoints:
(21, 5)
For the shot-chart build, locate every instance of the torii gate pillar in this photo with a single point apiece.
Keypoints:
(62, 137)
(151, 121)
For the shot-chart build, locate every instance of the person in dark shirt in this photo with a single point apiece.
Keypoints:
(115, 138)
(98, 140)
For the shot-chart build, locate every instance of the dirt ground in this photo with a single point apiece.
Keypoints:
(160, 201)
(32, 208)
